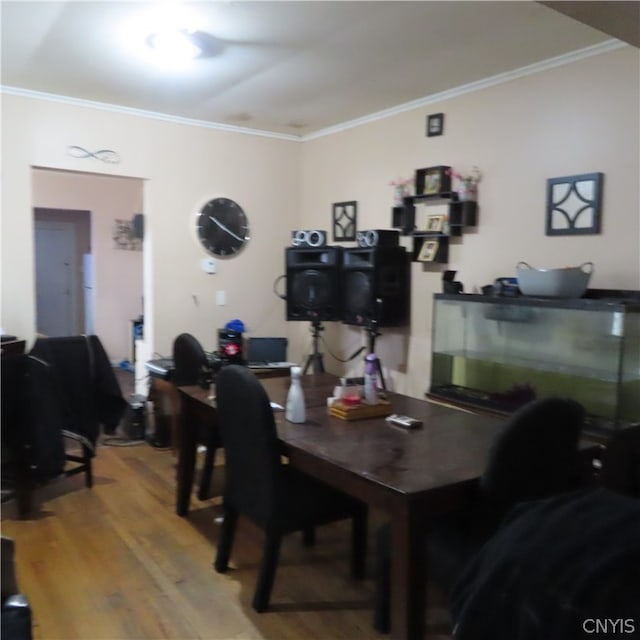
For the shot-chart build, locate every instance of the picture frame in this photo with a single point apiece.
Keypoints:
(435, 124)
(435, 223)
(433, 181)
(428, 251)
(124, 237)
(344, 220)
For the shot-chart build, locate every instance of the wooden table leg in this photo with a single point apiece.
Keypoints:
(186, 455)
(408, 576)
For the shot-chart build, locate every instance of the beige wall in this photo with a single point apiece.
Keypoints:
(182, 167)
(578, 118)
(117, 273)
(573, 119)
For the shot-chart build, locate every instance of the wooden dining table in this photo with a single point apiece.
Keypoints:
(413, 476)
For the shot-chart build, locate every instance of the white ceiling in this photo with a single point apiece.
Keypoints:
(292, 68)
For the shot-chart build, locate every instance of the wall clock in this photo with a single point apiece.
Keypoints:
(222, 227)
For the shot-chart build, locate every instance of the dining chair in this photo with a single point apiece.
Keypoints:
(621, 462)
(274, 495)
(560, 568)
(16, 618)
(536, 455)
(58, 398)
(191, 367)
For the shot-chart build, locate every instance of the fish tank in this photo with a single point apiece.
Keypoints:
(499, 353)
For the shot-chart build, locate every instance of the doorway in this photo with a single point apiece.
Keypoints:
(95, 206)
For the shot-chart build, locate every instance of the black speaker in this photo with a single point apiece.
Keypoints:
(313, 283)
(308, 238)
(137, 225)
(376, 286)
(230, 346)
(378, 238)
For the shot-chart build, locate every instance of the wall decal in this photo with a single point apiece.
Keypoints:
(104, 155)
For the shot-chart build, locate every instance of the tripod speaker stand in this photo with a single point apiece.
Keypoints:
(315, 357)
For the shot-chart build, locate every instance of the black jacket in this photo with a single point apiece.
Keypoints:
(70, 386)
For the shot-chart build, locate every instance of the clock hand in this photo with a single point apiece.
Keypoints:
(226, 229)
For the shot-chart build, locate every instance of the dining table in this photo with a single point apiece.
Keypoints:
(411, 475)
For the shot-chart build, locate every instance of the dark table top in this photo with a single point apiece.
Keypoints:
(450, 448)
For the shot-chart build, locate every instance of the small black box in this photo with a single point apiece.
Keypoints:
(135, 421)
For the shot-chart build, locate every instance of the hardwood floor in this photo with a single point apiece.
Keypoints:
(115, 563)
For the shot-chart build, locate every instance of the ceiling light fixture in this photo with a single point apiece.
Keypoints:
(173, 46)
(166, 35)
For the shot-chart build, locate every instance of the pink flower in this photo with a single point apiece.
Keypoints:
(473, 177)
(401, 182)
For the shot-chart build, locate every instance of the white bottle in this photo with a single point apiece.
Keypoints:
(371, 379)
(295, 410)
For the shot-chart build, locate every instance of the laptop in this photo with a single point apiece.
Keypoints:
(267, 353)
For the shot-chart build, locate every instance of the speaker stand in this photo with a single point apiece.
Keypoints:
(315, 357)
(373, 333)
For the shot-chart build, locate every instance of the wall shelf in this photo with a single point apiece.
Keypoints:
(460, 214)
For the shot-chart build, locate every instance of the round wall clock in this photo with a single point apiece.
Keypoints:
(222, 227)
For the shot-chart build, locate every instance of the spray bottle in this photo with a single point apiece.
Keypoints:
(371, 379)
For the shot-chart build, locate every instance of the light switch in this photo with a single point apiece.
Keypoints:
(221, 298)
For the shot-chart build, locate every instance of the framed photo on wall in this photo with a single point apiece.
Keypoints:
(435, 223)
(428, 251)
(433, 181)
(435, 124)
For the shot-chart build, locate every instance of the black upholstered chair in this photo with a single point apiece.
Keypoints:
(60, 395)
(556, 569)
(275, 496)
(16, 612)
(191, 367)
(621, 462)
(17, 477)
(190, 361)
(535, 456)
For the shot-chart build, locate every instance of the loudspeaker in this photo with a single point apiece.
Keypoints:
(230, 346)
(376, 286)
(378, 238)
(313, 283)
(137, 225)
(309, 238)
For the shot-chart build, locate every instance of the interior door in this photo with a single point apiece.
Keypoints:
(88, 286)
(56, 273)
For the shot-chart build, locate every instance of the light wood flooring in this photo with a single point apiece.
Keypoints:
(115, 563)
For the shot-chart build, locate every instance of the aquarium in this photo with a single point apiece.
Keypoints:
(501, 352)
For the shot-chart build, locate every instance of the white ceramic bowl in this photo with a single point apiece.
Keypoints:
(567, 282)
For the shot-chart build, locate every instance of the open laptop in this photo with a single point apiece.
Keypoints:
(267, 353)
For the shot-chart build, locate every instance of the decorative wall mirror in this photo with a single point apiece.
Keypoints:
(573, 204)
(344, 216)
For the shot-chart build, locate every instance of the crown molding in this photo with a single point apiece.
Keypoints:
(574, 56)
(141, 113)
(544, 65)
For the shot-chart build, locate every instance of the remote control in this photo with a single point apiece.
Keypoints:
(403, 421)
